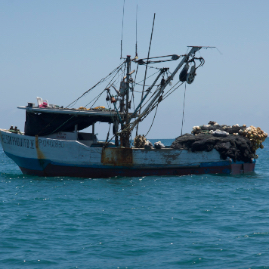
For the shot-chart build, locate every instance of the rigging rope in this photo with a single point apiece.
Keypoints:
(170, 91)
(183, 110)
(57, 127)
(155, 104)
(152, 120)
(99, 82)
(138, 83)
(107, 86)
(134, 85)
(146, 67)
(94, 100)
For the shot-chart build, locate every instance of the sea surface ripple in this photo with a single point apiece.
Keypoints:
(198, 221)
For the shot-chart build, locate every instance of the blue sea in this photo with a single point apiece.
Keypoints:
(195, 221)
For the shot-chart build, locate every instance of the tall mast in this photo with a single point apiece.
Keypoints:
(128, 62)
(125, 133)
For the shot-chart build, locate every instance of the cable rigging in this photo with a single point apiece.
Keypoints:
(146, 67)
(99, 82)
(183, 119)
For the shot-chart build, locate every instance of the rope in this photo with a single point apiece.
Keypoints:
(107, 86)
(138, 83)
(134, 85)
(94, 100)
(142, 106)
(170, 92)
(146, 67)
(100, 81)
(61, 124)
(152, 120)
(183, 110)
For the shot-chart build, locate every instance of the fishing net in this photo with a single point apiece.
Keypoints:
(236, 142)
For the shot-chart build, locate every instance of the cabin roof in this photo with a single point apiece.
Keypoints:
(70, 111)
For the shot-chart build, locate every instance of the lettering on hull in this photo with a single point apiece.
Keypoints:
(18, 141)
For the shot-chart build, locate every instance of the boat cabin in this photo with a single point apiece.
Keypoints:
(66, 124)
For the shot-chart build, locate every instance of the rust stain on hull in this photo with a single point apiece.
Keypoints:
(40, 156)
(171, 157)
(117, 156)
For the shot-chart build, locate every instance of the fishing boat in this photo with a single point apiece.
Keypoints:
(54, 142)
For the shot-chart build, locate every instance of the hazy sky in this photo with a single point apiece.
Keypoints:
(57, 49)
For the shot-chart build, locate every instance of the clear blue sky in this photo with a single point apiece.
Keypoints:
(57, 49)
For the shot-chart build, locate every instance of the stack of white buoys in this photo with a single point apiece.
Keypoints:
(255, 135)
(213, 126)
(159, 145)
(195, 129)
(219, 133)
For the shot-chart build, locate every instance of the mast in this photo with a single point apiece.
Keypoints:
(126, 125)
(128, 63)
(125, 133)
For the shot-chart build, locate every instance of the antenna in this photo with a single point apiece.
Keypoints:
(122, 29)
(136, 55)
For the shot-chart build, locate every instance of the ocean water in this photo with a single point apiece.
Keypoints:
(199, 221)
